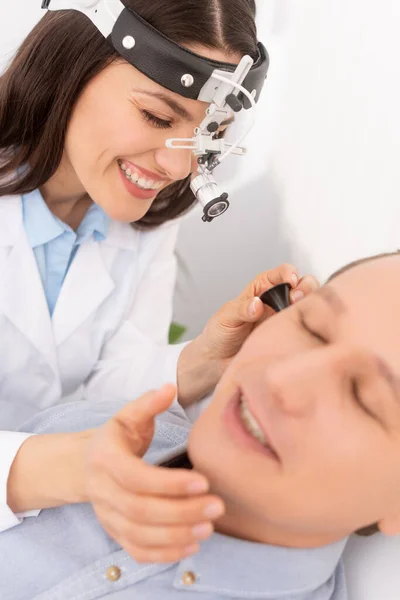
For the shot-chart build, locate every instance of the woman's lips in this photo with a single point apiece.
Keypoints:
(234, 423)
(135, 190)
(146, 173)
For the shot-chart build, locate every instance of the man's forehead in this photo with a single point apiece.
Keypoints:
(370, 294)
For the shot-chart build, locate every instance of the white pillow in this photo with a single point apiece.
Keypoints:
(372, 566)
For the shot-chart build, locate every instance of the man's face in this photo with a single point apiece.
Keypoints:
(319, 383)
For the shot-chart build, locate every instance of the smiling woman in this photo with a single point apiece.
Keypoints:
(83, 110)
(87, 273)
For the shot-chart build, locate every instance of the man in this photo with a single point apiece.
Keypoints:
(301, 441)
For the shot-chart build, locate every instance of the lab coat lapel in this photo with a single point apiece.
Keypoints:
(23, 300)
(86, 286)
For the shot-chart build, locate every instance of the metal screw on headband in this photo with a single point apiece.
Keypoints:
(187, 80)
(129, 42)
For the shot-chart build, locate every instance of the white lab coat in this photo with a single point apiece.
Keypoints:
(108, 334)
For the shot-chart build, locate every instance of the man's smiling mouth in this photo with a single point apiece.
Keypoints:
(253, 427)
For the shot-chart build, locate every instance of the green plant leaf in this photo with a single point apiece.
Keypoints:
(176, 331)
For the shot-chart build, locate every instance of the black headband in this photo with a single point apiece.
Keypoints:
(169, 64)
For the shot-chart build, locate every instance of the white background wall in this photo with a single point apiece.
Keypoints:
(321, 182)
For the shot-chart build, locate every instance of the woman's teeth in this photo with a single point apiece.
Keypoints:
(251, 424)
(138, 179)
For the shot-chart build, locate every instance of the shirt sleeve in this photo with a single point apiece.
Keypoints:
(137, 357)
(10, 443)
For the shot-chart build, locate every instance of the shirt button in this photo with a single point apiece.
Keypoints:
(189, 578)
(113, 573)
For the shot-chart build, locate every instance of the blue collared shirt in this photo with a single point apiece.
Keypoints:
(54, 243)
(64, 554)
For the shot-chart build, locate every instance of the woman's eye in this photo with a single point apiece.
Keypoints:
(155, 121)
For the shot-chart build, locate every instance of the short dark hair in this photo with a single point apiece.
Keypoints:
(64, 52)
(362, 261)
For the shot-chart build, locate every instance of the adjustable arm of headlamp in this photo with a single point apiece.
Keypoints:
(224, 86)
(103, 13)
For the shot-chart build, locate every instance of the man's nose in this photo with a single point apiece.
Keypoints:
(289, 385)
(298, 384)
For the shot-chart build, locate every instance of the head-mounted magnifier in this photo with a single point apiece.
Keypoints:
(225, 87)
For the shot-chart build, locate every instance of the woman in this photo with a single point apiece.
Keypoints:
(83, 157)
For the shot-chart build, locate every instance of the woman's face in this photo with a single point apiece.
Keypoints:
(115, 145)
(320, 385)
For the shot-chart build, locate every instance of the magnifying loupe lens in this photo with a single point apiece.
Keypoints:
(218, 209)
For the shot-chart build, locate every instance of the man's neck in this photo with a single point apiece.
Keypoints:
(237, 524)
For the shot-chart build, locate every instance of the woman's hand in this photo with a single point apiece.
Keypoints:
(204, 360)
(229, 327)
(155, 514)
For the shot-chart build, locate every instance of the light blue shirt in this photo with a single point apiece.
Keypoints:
(64, 554)
(54, 243)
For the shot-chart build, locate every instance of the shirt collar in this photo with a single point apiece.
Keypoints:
(95, 223)
(42, 226)
(240, 569)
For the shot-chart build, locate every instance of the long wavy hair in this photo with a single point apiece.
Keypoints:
(64, 52)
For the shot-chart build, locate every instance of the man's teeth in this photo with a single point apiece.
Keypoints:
(138, 179)
(251, 424)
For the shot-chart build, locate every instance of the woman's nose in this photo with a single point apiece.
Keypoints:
(176, 163)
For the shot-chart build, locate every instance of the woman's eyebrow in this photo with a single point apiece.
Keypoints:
(178, 108)
(173, 105)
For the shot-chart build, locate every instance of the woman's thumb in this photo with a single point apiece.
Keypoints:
(137, 417)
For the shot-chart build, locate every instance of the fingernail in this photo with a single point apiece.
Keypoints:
(295, 280)
(197, 487)
(213, 510)
(189, 550)
(253, 307)
(202, 531)
(297, 295)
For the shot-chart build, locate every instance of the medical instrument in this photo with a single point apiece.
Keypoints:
(278, 297)
(225, 87)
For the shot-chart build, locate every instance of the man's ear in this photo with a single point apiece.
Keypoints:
(390, 525)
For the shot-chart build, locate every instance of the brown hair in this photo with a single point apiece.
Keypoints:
(64, 52)
(361, 261)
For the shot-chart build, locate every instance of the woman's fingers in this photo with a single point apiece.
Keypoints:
(159, 529)
(158, 510)
(160, 555)
(285, 273)
(137, 477)
(307, 285)
(161, 536)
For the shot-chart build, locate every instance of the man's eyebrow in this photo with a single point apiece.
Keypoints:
(173, 104)
(390, 376)
(331, 297)
(328, 294)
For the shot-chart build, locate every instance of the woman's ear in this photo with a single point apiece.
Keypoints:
(390, 525)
